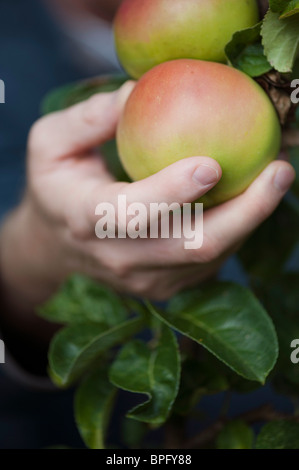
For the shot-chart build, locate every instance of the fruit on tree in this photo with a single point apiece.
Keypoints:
(185, 108)
(149, 32)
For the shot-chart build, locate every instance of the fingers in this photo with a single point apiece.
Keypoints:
(81, 127)
(233, 221)
(182, 182)
(225, 226)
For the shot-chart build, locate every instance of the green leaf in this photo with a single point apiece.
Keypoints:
(279, 435)
(76, 348)
(229, 321)
(235, 435)
(155, 373)
(93, 404)
(80, 299)
(74, 93)
(291, 9)
(198, 379)
(278, 5)
(280, 40)
(133, 433)
(113, 163)
(246, 53)
(295, 73)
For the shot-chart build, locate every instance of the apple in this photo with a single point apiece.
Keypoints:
(149, 32)
(187, 107)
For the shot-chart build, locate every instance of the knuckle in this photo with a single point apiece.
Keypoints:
(90, 109)
(142, 287)
(38, 134)
(141, 291)
(259, 209)
(209, 252)
(76, 227)
(121, 269)
(162, 296)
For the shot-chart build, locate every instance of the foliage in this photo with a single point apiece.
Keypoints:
(273, 43)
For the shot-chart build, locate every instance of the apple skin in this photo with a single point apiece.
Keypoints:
(186, 108)
(149, 32)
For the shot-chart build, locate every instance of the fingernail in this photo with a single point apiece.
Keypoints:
(284, 179)
(205, 175)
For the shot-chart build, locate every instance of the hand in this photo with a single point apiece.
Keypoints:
(52, 233)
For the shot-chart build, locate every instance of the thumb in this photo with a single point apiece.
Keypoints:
(81, 127)
(182, 182)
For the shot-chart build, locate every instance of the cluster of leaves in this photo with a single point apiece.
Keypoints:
(224, 318)
(271, 44)
(221, 337)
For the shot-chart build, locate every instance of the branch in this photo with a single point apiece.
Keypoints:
(290, 138)
(263, 7)
(264, 413)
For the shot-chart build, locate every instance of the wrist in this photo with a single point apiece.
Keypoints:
(30, 259)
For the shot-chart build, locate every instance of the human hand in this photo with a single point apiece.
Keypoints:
(52, 233)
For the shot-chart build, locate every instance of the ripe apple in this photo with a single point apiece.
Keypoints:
(187, 107)
(149, 32)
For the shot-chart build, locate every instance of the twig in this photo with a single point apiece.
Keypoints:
(263, 7)
(290, 138)
(174, 432)
(264, 413)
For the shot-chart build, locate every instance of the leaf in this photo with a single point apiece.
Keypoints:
(198, 379)
(235, 435)
(75, 349)
(279, 435)
(280, 40)
(133, 433)
(155, 373)
(114, 165)
(93, 403)
(74, 93)
(291, 9)
(295, 73)
(246, 53)
(229, 321)
(80, 299)
(278, 5)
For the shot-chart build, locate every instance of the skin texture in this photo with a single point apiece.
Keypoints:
(188, 107)
(149, 32)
